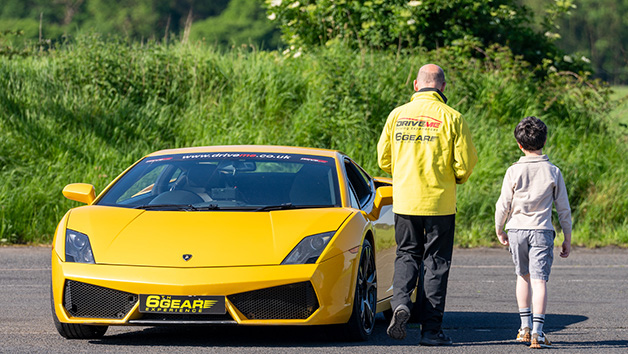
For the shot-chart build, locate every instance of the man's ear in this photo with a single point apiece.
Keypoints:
(442, 89)
(416, 85)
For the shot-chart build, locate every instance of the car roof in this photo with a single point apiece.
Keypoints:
(250, 148)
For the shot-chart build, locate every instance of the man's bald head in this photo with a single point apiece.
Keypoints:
(430, 75)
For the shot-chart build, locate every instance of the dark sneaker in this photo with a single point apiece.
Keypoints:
(397, 327)
(539, 341)
(434, 338)
(524, 335)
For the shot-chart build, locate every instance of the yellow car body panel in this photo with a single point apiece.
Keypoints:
(130, 236)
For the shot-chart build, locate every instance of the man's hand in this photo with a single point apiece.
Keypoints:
(503, 237)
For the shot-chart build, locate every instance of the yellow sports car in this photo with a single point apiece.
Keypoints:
(246, 235)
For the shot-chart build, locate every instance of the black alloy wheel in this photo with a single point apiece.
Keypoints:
(362, 321)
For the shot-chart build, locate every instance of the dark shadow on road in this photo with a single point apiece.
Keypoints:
(226, 336)
(466, 328)
(500, 326)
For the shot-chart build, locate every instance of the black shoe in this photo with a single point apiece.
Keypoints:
(434, 338)
(397, 327)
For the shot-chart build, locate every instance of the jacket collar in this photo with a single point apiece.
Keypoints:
(437, 94)
(532, 159)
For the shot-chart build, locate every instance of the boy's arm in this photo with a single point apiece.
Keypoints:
(566, 246)
(502, 208)
(564, 213)
(562, 204)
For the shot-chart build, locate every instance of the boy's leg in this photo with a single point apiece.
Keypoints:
(539, 296)
(541, 257)
(523, 291)
(519, 250)
(525, 312)
(539, 303)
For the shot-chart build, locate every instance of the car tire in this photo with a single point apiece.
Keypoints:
(76, 331)
(362, 320)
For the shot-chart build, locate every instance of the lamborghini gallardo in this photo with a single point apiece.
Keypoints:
(226, 235)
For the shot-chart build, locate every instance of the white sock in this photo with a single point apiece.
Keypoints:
(526, 317)
(538, 321)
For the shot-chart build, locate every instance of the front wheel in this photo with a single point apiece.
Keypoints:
(362, 321)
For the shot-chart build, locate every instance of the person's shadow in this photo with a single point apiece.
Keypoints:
(498, 326)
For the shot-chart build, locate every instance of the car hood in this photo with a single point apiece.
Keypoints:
(124, 236)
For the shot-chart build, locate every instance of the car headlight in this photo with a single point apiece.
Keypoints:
(78, 248)
(309, 249)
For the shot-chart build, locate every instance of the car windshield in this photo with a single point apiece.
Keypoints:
(252, 181)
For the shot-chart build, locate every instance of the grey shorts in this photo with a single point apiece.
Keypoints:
(532, 251)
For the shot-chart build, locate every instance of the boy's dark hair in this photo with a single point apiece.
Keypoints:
(531, 133)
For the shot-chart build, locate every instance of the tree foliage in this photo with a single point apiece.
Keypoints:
(137, 19)
(595, 30)
(243, 22)
(599, 30)
(399, 24)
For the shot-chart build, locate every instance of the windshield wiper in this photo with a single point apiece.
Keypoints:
(169, 206)
(207, 207)
(291, 206)
(276, 207)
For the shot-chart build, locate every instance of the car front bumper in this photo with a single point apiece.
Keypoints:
(252, 293)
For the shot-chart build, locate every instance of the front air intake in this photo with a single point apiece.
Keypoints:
(286, 302)
(91, 301)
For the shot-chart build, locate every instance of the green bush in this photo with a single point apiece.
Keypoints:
(85, 112)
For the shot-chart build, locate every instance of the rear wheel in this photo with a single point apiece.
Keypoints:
(362, 321)
(76, 331)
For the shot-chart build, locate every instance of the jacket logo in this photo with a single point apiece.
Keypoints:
(421, 123)
(186, 257)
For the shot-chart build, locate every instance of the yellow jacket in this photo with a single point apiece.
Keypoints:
(426, 146)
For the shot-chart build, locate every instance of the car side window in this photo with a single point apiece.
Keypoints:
(360, 182)
(354, 199)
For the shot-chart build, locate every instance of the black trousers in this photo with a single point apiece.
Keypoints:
(428, 240)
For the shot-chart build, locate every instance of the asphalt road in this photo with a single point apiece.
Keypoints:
(587, 313)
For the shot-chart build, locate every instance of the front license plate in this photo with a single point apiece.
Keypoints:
(205, 305)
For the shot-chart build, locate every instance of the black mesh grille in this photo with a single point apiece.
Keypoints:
(86, 300)
(293, 301)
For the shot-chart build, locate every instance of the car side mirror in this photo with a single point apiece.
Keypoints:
(80, 192)
(383, 197)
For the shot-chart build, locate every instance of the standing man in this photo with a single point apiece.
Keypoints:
(426, 146)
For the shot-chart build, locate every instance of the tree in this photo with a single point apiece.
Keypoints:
(243, 22)
(399, 24)
(590, 30)
(137, 19)
(599, 30)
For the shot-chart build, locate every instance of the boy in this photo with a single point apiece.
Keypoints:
(530, 187)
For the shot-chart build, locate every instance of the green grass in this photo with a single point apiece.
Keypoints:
(620, 113)
(85, 112)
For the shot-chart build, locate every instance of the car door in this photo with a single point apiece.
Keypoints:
(362, 192)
